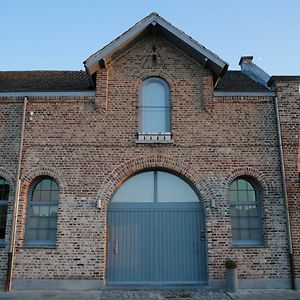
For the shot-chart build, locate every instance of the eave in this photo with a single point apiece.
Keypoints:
(195, 50)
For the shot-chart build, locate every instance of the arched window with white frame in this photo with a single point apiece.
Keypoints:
(154, 108)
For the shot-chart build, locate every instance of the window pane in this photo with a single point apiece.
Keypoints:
(243, 211)
(42, 217)
(43, 234)
(32, 234)
(242, 184)
(253, 223)
(139, 188)
(44, 189)
(171, 188)
(44, 211)
(45, 196)
(233, 196)
(43, 223)
(53, 223)
(38, 187)
(33, 222)
(155, 93)
(242, 196)
(36, 195)
(245, 234)
(234, 186)
(253, 211)
(54, 195)
(46, 184)
(155, 120)
(235, 234)
(245, 218)
(52, 234)
(234, 211)
(251, 196)
(53, 211)
(35, 210)
(235, 222)
(155, 106)
(254, 234)
(3, 218)
(244, 223)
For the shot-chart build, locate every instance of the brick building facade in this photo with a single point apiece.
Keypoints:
(84, 132)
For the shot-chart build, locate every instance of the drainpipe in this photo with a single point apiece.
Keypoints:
(11, 254)
(285, 196)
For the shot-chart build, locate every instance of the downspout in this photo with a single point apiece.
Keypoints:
(285, 196)
(11, 254)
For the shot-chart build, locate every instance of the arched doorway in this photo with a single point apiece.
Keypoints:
(155, 232)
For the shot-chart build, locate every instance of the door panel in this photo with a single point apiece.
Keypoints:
(155, 245)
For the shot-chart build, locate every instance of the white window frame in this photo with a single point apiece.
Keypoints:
(155, 137)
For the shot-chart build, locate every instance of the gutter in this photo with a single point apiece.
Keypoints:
(12, 249)
(285, 196)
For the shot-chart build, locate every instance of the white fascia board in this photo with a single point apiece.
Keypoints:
(188, 40)
(48, 94)
(134, 31)
(119, 41)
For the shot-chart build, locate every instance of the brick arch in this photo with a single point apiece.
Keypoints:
(130, 167)
(9, 177)
(43, 171)
(248, 172)
(158, 72)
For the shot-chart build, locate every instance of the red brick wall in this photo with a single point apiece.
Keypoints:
(90, 151)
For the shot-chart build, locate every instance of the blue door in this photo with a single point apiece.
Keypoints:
(155, 225)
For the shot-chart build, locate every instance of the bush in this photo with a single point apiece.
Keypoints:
(230, 264)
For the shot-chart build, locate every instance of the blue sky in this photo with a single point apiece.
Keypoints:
(61, 34)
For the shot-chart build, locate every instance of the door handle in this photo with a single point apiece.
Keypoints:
(116, 248)
(196, 248)
(202, 235)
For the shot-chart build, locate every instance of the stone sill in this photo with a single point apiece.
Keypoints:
(154, 142)
(154, 138)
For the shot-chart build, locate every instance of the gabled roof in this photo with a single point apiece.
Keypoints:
(198, 52)
(44, 81)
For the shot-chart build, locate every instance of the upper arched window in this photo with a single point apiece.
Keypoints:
(245, 212)
(42, 212)
(4, 194)
(155, 106)
(155, 186)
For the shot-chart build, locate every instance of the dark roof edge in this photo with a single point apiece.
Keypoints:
(283, 78)
(49, 94)
(243, 94)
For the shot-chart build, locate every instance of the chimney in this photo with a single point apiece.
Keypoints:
(254, 72)
(246, 60)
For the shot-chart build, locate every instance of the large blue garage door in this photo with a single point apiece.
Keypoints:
(155, 232)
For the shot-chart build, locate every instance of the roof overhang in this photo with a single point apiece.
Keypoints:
(195, 50)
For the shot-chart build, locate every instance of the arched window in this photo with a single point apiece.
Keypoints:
(4, 194)
(155, 186)
(245, 213)
(42, 212)
(155, 106)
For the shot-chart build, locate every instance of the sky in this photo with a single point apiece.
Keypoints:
(61, 34)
